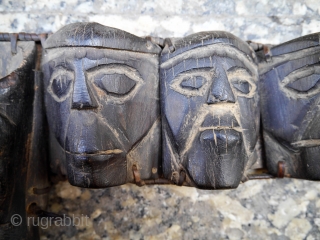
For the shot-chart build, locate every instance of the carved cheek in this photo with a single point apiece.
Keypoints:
(281, 113)
(176, 109)
(57, 111)
(249, 117)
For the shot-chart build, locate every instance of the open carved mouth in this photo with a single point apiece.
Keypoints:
(106, 152)
(227, 121)
(306, 143)
(221, 132)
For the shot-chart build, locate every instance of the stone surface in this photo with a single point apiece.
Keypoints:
(264, 21)
(266, 209)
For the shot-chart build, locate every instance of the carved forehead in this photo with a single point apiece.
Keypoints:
(302, 57)
(97, 35)
(68, 55)
(304, 51)
(201, 39)
(297, 44)
(211, 51)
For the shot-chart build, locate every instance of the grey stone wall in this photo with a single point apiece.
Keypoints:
(266, 209)
(258, 20)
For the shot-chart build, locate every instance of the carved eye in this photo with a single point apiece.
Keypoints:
(120, 82)
(193, 83)
(243, 83)
(60, 84)
(117, 84)
(303, 82)
(242, 86)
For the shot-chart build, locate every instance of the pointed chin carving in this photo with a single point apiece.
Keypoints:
(219, 156)
(102, 101)
(205, 90)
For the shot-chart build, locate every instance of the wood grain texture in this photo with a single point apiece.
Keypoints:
(16, 107)
(210, 109)
(102, 104)
(290, 95)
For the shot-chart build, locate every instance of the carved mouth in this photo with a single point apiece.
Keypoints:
(106, 152)
(226, 121)
(238, 129)
(306, 143)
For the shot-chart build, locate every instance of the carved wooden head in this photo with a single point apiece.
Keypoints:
(290, 96)
(16, 99)
(102, 102)
(210, 108)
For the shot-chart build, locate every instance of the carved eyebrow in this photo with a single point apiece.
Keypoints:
(300, 73)
(98, 67)
(62, 64)
(235, 72)
(219, 49)
(118, 68)
(265, 67)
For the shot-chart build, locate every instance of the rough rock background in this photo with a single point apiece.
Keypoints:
(265, 209)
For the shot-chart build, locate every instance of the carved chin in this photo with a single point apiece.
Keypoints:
(90, 133)
(310, 156)
(96, 170)
(217, 159)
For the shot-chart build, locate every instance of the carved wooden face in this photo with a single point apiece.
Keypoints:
(290, 90)
(16, 87)
(210, 103)
(100, 102)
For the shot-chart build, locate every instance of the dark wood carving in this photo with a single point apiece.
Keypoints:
(92, 95)
(37, 181)
(102, 103)
(210, 109)
(16, 101)
(290, 95)
(102, 90)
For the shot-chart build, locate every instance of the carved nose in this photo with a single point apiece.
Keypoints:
(82, 98)
(220, 90)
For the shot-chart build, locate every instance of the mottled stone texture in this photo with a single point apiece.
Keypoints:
(265, 21)
(267, 209)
